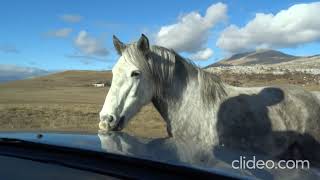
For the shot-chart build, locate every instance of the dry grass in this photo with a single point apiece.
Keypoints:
(73, 117)
(66, 102)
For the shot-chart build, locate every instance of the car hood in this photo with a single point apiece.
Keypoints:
(74, 140)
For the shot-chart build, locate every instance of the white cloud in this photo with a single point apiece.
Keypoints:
(191, 32)
(89, 46)
(71, 18)
(60, 33)
(202, 54)
(288, 28)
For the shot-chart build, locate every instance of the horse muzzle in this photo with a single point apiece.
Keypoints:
(110, 123)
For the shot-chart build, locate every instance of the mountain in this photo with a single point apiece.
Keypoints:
(256, 57)
(13, 72)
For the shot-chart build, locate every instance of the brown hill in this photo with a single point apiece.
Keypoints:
(256, 57)
(72, 78)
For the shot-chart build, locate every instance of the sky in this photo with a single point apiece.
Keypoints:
(64, 34)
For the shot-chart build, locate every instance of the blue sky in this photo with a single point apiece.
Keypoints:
(62, 34)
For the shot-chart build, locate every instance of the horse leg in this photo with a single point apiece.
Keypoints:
(169, 130)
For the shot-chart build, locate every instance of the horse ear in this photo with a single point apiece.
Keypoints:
(143, 43)
(118, 45)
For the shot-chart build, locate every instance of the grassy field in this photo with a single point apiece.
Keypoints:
(67, 102)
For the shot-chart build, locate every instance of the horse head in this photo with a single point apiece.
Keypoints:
(131, 88)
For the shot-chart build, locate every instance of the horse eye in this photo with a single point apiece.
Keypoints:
(135, 74)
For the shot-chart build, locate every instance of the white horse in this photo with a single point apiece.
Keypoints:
(198, 106)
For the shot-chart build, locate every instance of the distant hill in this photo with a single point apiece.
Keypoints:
(76, 77)
(256, 57)
(70, 78)
(14, 72)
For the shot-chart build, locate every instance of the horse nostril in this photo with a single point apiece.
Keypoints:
(110, 119)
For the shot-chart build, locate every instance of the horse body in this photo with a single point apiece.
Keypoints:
(264, 119)
(198, 106)
(316, 94)
(270, 119)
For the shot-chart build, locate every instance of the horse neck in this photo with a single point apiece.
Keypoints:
(184, 110)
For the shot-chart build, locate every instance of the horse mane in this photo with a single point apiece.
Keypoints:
(168, 69)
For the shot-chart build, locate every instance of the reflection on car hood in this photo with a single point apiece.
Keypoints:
(82, 141)
(168, 150)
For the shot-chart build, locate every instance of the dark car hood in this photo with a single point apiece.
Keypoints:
(82, 141)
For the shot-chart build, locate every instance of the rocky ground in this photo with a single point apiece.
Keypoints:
(303, 74)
